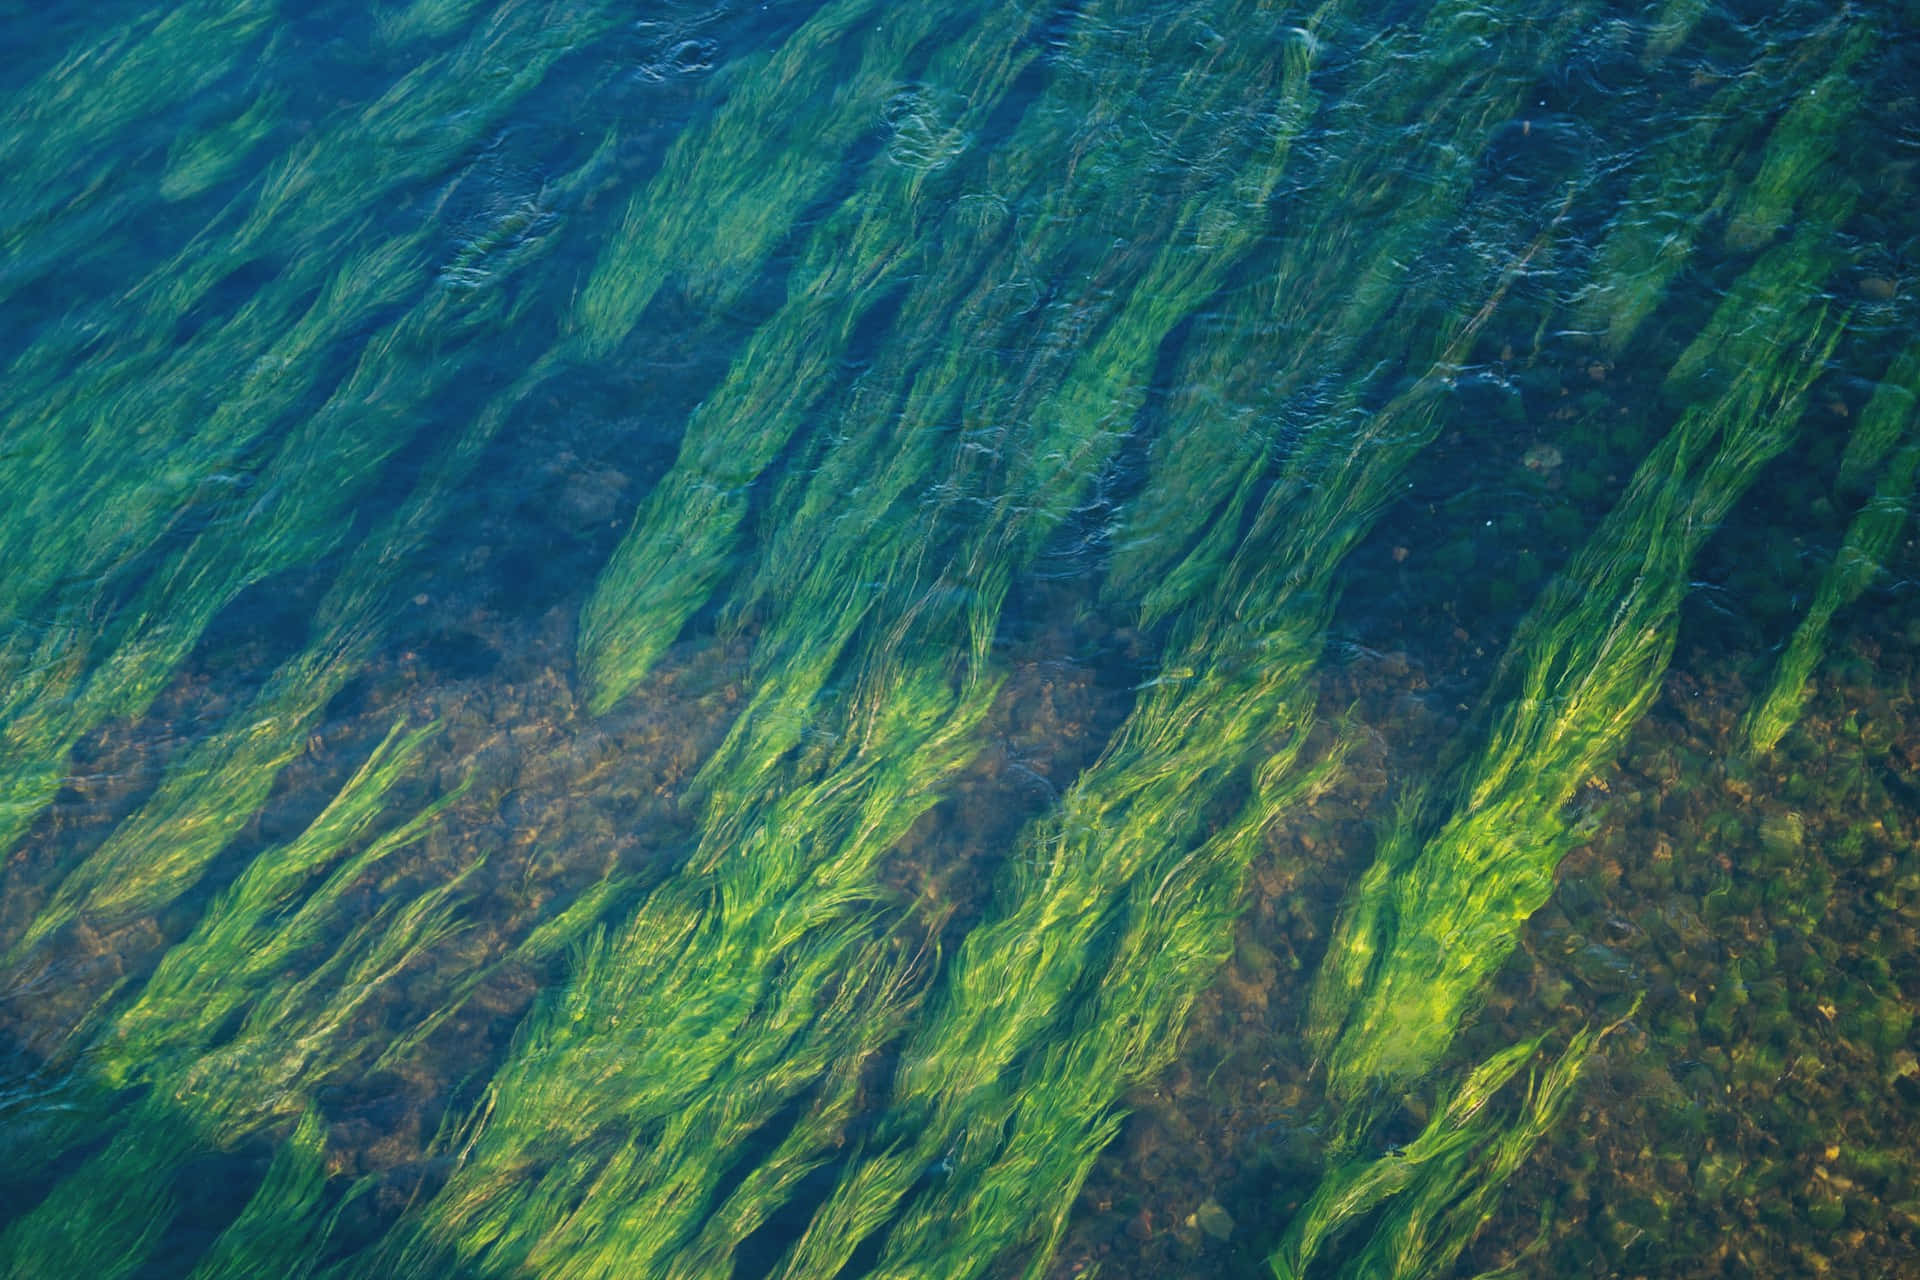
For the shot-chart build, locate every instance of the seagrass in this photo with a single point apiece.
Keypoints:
(1887, 441)
(998, 230)
(1119, 907)
(145, 433)
(1461, 868)
(900, 666)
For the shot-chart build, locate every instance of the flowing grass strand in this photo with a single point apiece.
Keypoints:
(1437, 913)
(1694, 177)
(871, 527)
(1799, 149)
(1355, 249)
(1870, 537)
(702, 1014)
(347, 620)
(594, 1108)
(253, 928)
(271, 914)
(1429, 1228)
(93, 513)
(745, 772)
(1430, 1198)
(93, 97)
(163, 848)
(80, 131)
(312, 209)
(1359, 1186)
(64, 680)
(293, 1033)
(803, 889)
(1884, 426)
(105, 1217)
(686, 533)
(1423, 930)
(279, 1231)
(729, 191)
(1120, 906)
(1124, 854)
(355, 167)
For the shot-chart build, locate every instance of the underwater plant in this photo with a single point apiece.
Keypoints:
(1886, 441)
(243, 434)
(221, 1035)
(1459, 871)
(1153, 313)
(869, 700)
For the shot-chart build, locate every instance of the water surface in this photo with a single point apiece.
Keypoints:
(832, 639)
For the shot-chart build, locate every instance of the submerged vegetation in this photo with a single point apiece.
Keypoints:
(696, 647)
(1885, 446)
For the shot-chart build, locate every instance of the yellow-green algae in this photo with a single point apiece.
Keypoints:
(780, 892)
(1118, 907)
(711, 1052)
(1458, 874)
(1887, 440)
(1435, 914)
(117, 453)
(225, 778)
(293, 1020)
(1695, 175)
(1431, 1197)
(1439, 906)
(220, 1084)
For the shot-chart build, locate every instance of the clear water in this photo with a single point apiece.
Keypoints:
(960, 639)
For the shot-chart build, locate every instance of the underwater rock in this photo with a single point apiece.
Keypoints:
(1542, 458)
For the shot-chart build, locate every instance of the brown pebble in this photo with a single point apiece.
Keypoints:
(1878, 288)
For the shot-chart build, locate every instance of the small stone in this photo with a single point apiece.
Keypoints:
(1213, 1219)
(1542, 458)
(1782, 834)
(1878, 289)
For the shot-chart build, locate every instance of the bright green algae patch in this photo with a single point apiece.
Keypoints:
(1177, 298)
(289, 1034)
(118, 453)
(1886, 442)
(1433, 917)
(820, 820)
